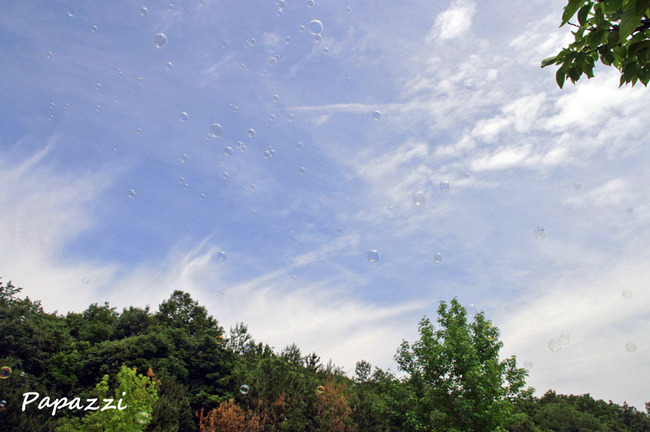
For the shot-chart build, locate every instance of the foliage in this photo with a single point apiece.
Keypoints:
(615, 31)
(455, 379)
(228, 417)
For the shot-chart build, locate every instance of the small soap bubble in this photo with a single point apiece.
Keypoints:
(216, 130)
(272, 117)
(437, 258)
(376, 115)
(348, 9)
(131, 193)
(630, 347)
(469, 87)
(318, 38)
(373, 255)
(326, 50)
(310, 3)
(142, 417)
(98, 86)
(577, 186)
(301, 28)
(488, 332)
(51, 116)
(445, 186)
(627, 293)
(49, 54)
(242, 66)
(183, 116)
(159, 40)
(266, 154)
(302, 170)
(528, 364)
(316, 27)
(186, 186)
(202, 196)
(181, 180)
(273, 60)
(565, 338)
(472, 310)
(225, 176)
(276, 98)
(170, 6)
(224, 44)
(184, 158)
(85, 281)
(3, 404)
(271, 151)
(140, 79)
(227, 151)
(98, 108)
(119, 72)
(244, 389)
(251, 133)
(299, 145)
(540, 232)
(241, 146)
(203, 3)
(94, 29)
(419, 198)
(287, 39)
(138, 131)
(320, 389)
(339, 230)
(554, 345)
(144, 11)
(294, 277)
(169, 66)
(67, 106)
(5, 371)
(72, 12)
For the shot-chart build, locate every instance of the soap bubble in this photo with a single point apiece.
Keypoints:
(170, 6)
(488, 332)
(138, 131)
(310, 3)
(3, 404)
(419, 198)
(159, 40)
(227, 151)
(5, 371)
(276, 98)
(302, 170)
(540, 232)
(216, 130)
(528, 364)
(554, 345)
(348, 9)
(373, 255)
(131, 193)
(577, 186)
(251, 133)
(51, 116)
(445, 186)
(287, 39)
(49, 54)
(272, 117)
(94, 29)
(376, 115)
(169, 66)
(299, 145)
(202, 196)
(565, 338)
(184, 116)
(273, 60)
(472, 310)
(221, 256)
(72, 12)
(142, 417)
(627, 293)
(291, 117)
(85, 281)
(244, 389)
(316, 27)
(320, 389)
(630, 347)
(184, 158)
(437, 258)
(301, 28)
(241, 146)
(144, 11)
(225, 176)
(98, 108)
(326, 50)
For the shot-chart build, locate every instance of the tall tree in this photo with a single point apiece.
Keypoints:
(615, 31)
(455, 380)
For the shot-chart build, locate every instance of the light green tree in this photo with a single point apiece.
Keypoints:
(615, 31)
(454, 379)
(137, 393)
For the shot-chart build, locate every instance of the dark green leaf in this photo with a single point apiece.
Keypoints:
(632, 15)
(559, 77)
(549, 61)
(584, 11)
(570, 10)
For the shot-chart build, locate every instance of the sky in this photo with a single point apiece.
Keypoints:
(327, 172)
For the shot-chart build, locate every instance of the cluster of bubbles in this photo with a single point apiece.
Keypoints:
(268, 153)
(540, 232)
(556, 344)
(5, 371)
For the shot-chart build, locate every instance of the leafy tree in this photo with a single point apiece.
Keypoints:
(455, 380)
(132, 322)
(138, 394)
(333, 414)
(228, 417)
(615, 31)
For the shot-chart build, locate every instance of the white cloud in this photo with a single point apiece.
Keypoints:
(453, 22)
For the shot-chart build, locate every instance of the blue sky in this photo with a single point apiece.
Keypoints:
(90, 113)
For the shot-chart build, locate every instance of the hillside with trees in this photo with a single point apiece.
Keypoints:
(176, 369)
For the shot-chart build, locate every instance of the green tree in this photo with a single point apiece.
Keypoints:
(455, 381)
(137, 392)
(615, 31)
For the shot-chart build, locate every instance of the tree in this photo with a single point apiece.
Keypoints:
(455, 380)
(615, 31)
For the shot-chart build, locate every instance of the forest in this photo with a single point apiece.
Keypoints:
(176, 369)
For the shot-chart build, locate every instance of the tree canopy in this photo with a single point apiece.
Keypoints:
(616, 32)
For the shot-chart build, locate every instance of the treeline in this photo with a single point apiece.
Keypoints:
(175, 369)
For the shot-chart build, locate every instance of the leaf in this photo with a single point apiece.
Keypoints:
(584, 11)
(632, 15)
(559, 77)
(570, 10)
(549, 61)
